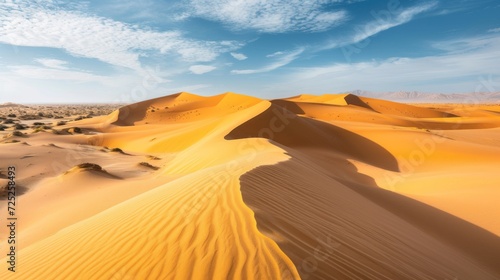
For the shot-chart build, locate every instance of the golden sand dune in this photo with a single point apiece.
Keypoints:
(307, 187)
(376, 105)
(182, 107)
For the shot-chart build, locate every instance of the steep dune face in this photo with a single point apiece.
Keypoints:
(348, 227)
(286, 128)
(377, 105)
(330, 231)
(308, 187)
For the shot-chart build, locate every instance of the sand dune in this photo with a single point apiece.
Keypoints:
(234, 187)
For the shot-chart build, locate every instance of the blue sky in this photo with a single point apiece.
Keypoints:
(57, 51)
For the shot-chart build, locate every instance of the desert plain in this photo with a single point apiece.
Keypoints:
(230, 186)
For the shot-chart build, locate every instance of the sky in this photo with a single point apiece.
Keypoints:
(58, 51)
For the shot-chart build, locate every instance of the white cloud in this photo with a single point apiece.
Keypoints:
(272, 16)
(274, 54)
(282, 59)
(494, 30)
(239, 56)
(52, 63)
(380, 24)
(201, 69)
(453, 71)
(401, 18)
(41, 24)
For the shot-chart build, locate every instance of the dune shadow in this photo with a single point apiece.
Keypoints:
(276, 194)
(281, 123)
(473, 240)
(319, 181)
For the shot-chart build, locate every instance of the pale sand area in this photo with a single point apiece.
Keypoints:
(235, 187)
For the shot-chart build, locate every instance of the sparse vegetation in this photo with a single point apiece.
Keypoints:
(74, 130)
(15, 133)
(29, 117)
(86, 166)
(38, 129)
(56, 132)
(90, 166)
(145, 164)
(117, 150)
(19, 126)
(153, 158)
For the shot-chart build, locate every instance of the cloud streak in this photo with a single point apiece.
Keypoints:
(239, 56)
(383, 20)
(284, 58)
(270, 16)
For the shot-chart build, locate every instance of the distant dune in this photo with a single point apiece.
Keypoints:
(336, 186)
(425, 97)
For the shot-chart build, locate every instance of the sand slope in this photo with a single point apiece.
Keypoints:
(235, 187)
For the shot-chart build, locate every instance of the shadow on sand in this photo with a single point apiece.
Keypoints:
(336, 223)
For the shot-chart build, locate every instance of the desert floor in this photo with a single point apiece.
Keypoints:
(235, 187)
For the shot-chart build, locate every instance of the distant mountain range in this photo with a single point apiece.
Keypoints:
(422, 97)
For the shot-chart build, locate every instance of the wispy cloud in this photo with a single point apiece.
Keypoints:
(462, 45)
(38, 24)
(239, 56)
(201, 69)
(380, 24)
(52, 63)
(447, 70)
(274, 54)
(494, 30)
(60, 74)
(281, 60)
(271, 16)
